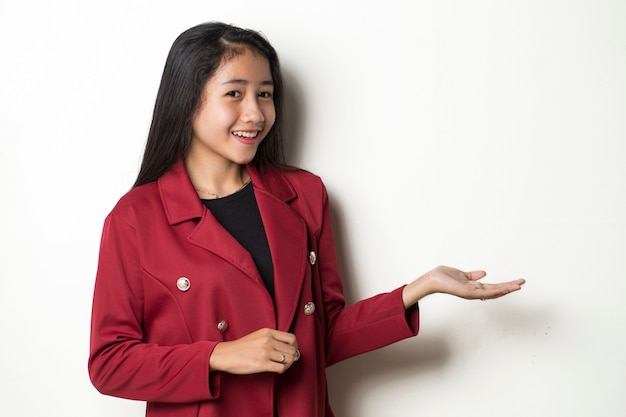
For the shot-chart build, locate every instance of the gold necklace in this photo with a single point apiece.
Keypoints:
(216, 196)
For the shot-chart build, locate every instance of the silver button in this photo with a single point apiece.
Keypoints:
(309, 308)
(312, 257)
(222, 326)
(183, 283)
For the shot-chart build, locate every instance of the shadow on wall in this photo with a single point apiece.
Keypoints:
(432, 351)
(294, 113)
(405, 360)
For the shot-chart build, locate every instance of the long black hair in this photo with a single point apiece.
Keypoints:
(193, 58)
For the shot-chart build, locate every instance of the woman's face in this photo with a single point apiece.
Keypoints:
(236, 113)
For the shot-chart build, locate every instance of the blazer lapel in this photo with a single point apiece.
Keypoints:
(285, 229)
(211, 235)
(181, 204)
(287, 237)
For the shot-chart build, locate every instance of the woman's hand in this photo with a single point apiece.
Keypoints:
(451, 281)
(265, 350)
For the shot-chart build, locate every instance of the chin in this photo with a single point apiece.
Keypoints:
(245, 159)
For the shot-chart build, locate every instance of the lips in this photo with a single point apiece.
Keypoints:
(246, 136)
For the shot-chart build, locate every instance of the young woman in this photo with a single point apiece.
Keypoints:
(217, 291)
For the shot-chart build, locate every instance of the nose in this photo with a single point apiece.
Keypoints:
(252, 111)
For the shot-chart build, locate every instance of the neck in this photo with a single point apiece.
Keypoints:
(211, 181)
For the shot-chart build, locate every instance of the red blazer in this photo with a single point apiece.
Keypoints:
(172, 283)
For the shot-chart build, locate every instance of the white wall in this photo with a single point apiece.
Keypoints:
(484, 134)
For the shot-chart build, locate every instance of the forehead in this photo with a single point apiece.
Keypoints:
(246, 65)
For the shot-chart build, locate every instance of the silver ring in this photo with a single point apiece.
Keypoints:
(297, 355)
(282, 359)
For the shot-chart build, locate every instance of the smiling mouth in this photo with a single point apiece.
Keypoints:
(246, 135)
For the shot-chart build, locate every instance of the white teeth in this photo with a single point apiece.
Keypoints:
(246, 134)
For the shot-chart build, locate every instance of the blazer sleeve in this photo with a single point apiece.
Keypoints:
(365, 325)
(120, 362)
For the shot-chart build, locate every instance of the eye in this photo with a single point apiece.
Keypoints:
(265, 94)
(233, 94)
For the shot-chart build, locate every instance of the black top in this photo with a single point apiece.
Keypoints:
(240, 216)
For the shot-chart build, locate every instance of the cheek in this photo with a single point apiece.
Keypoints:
(223, 115)
(217, 113)
(270, 116)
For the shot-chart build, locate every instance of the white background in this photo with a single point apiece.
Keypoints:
(487, 134)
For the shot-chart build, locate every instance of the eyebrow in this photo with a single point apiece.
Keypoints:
(246, 82)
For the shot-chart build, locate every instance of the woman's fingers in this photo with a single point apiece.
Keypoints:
(265, 350)
(475, 275)
(467, 285)
(287, 344)
(491, 291)
(284, 357)
(446, 280)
